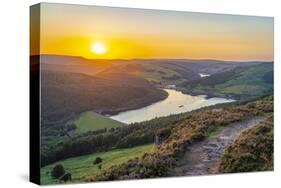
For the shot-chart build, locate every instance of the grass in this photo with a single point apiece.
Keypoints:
(91, 121)
(158, 73)
(81, 168)
(248, 81)
(240, 83)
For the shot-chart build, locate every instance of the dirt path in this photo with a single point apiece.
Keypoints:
(203, 157)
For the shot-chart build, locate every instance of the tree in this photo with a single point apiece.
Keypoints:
(58, 171)
(97, 160)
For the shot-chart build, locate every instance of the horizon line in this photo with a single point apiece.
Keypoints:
(128, 59)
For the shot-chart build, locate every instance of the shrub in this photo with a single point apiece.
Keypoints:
(97, 160)
(57, 171)
(252, 151)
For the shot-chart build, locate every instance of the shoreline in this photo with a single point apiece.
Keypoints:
(194, 94)
(211, 95)
(177, 102)
(206, 95)
(111, 112)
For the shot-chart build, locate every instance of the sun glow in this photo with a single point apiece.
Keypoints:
(98, 48)
(106, 33)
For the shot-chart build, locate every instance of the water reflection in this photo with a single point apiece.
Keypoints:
(176, 102)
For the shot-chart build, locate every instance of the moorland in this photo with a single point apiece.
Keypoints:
(79, 95)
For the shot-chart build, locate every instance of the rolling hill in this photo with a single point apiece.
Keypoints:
(76, 92)
(177, 132)
(239, 83)
(72, 64)
(157, 71)
(172, 71)
(66, 95)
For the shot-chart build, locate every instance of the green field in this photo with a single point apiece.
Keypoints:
(91, 121)
(159, 74)
(82, 167)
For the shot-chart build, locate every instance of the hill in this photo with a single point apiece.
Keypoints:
(173, 71)
(205, 119)
(110, 86)
(234, 79)
(252, 150)
(65, 95)
(190, 130)
(72, 64)
(157, 71)
(239, 83)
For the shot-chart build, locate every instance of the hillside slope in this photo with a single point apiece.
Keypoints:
(177, 132)
(252, 150)
(193, 128)
(172, 71)
(239, 83)
(65, 95)
(203, 157)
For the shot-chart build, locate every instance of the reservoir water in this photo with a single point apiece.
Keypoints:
(176, 102)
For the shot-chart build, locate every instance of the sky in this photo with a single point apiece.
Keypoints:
(140, 33)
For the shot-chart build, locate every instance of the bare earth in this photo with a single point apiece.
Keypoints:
(203, 157)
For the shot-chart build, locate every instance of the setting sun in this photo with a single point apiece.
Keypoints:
(111, 34)
(98, 48)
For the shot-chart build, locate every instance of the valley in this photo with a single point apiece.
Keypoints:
(194, 131)
(129, 94)
(119, 110)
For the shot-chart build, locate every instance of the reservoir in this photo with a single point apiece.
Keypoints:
(176, 102)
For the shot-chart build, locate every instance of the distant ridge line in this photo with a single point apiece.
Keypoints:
(159, 59)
